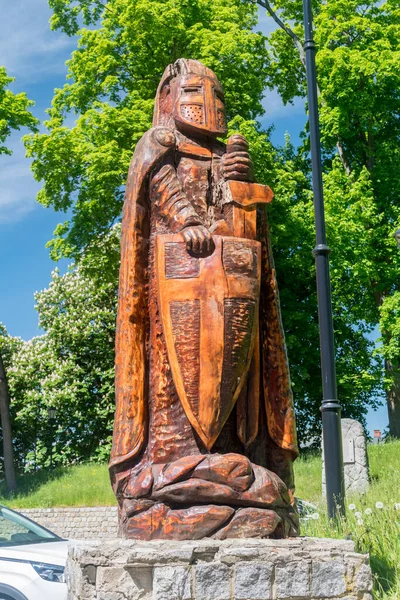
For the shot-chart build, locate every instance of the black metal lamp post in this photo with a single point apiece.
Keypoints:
(52, 418)
(331, 410)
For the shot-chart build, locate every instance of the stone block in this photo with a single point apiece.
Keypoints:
(253, 581)
(213, 582)
(364, 578)
(236, 569)
(115, 583)
(172, 583)
(328, 579)
(79, 586)
(292, 580)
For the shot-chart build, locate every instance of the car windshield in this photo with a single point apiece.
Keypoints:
(16, 530)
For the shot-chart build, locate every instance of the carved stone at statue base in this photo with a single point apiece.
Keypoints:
(306, 568)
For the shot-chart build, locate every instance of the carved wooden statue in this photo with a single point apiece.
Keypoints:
(204, 435)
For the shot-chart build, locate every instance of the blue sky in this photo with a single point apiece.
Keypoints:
(36, 57)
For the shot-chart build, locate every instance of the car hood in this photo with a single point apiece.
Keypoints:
(54, 553)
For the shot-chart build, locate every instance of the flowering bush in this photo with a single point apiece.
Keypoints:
(70, 367)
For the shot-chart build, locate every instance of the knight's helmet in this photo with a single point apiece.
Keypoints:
(190, 98)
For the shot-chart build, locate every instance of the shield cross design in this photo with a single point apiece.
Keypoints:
(209, 311)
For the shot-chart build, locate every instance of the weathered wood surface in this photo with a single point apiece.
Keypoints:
(204, 435)
(210, 324)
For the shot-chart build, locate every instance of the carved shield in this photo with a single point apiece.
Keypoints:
(209, 310)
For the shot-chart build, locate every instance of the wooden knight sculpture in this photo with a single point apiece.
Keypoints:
(204, 436)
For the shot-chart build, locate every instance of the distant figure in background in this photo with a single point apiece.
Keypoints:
(377, 436)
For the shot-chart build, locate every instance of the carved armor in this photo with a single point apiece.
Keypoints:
(191, 97)
(204, 434)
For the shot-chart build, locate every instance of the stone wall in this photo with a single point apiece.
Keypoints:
(77, 523)
(298, 568)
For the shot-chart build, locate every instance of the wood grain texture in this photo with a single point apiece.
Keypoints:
(226, 292)
(204, 435)
(250, 523)
(163, 523)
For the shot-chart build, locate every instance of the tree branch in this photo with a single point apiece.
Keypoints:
(299, 46)
(342, 157)
(296, 41)
(99, 3)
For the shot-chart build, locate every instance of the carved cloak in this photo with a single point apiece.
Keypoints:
(132, 370)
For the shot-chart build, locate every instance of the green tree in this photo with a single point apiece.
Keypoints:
(113, 77)
(14, 114)
(14, 111)
(359, 371)
(7, 349)
(357, 63)
(390, 328)
(70, 368)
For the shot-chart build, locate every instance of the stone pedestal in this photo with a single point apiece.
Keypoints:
(243, 569)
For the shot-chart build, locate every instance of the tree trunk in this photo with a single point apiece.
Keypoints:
(393, 398)
(9, 468)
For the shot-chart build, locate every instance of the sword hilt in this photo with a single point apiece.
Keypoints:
(237, 143)
(239, 206)
(240, 198)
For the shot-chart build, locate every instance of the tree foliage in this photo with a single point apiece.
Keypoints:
(357, 61)
(14, 112)
(70, 368)
(113, 76)
(357, 64)
(390, 323)
(123, 48)
(8, 347)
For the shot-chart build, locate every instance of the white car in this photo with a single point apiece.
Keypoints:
(32, 560)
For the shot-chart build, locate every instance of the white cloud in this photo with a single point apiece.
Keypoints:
(275, 108)
(28, 48)
(33, 54)
(17, 186)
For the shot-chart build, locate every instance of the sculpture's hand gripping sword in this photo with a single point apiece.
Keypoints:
(239, 208)
(240, 198)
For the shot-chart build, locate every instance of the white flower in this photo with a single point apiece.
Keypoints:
(368, 511)
(358, 515)
(379, 505)
(397, 506)
(315, 516)
(352, 507)
(360, 522)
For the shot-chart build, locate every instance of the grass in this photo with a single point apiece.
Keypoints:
(82, 485)
(376, 531)
(373, 520)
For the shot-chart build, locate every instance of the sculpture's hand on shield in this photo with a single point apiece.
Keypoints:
(198, 240)
(236, 163)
